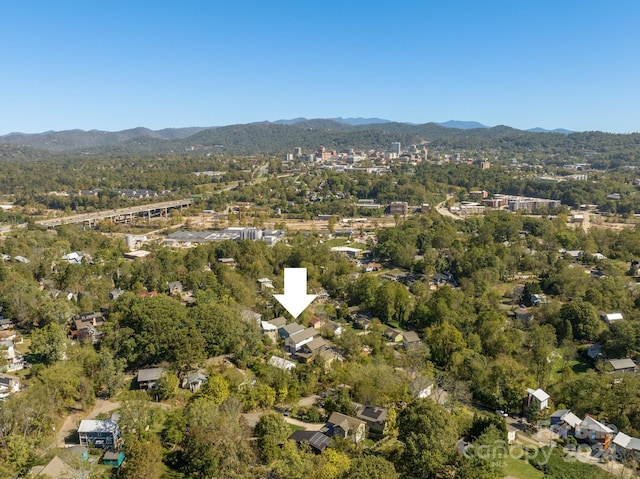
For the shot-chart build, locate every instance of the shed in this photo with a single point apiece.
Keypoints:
(113, 458)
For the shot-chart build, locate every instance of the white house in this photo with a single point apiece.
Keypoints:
(538, 399)
(299, 339)
(281, 363)
(611, 318)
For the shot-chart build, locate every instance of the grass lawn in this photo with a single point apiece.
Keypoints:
(295, 428)
(521, 469)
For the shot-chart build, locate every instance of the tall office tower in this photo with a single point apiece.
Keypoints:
(395, 147)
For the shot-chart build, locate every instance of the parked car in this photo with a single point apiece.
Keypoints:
(500, 412)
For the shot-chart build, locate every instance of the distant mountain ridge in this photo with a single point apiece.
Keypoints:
(78, 139)
(265, 136)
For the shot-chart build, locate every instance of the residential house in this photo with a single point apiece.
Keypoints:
(56, 468)
(345, 426)
(564, 422)
(594, 432)
(442, 279)
(610, 318)
(289, 329)
(85, 327)
(265, 284)
(8, 385)
(281, 363)
(536, 399)
(308, 351)
(270, 328)
(175, 287)
(362, 322)
(375, 417)
(115, 293)
(393, 335)
(333, 328)
(623, 365)
(113, 458)
(228, 262)
(251, 317)
(194, 380)
(148, 378)
(538, 299)
(316, 323)
(329, 356)
(74, 258)
(594, 351)
(297, 340)
(5, 323)
(421, 387)
(347, 251)
(523, 314)
(316, 440)
(13, 360)
(626, 446)
(100, 434)
(410, 340)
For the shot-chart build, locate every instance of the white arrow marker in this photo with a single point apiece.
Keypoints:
(295, 298)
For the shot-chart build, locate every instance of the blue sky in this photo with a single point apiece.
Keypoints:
(114, 65)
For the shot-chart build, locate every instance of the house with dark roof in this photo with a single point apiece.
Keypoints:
(375, 417)
(316, 440)
(86, 327)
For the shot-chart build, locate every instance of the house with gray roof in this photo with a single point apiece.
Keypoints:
(194, 380)
(623, 365)
(148, 378)
(299, 339)
(345, 426)
(289, 329)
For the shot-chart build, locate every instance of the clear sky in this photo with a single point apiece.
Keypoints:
(112, 65)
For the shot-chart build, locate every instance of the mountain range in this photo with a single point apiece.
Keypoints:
(334, 133)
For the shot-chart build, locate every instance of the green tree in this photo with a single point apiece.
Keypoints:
(49, 343)
(371, 467)
(429, 433)
(445, 343)
(271, 431)
(583, 319)
(216, 389)
(144, 458)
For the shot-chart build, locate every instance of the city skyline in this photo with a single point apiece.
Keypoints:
(161, 65)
